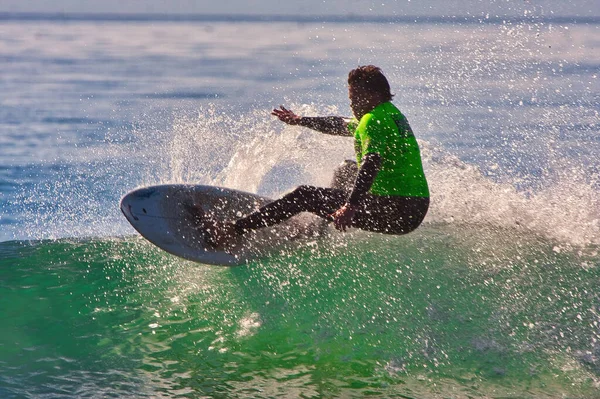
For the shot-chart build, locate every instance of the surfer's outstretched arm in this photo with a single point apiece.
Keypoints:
(334, 125)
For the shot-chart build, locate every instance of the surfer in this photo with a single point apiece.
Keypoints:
(389, 192)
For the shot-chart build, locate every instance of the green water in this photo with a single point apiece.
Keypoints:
(444, 312)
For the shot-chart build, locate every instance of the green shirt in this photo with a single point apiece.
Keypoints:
(386, 131)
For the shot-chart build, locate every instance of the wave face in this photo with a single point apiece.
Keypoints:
(480, 313)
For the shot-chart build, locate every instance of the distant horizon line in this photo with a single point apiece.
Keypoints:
(350, 17)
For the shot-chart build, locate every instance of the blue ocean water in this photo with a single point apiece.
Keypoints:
(494, 296)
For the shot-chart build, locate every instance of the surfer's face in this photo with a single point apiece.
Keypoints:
(361, 100)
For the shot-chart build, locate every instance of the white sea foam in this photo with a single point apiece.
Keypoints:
(567, 210)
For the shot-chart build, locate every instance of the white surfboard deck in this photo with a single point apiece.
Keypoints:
(161, 215)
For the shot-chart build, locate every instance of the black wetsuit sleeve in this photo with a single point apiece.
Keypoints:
(370, 166)
(334, 125)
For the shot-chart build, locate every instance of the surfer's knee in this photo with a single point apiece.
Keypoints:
(344, 175)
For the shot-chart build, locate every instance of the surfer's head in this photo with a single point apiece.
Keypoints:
(367, 88)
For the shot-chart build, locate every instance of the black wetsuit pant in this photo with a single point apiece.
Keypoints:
(384, 214)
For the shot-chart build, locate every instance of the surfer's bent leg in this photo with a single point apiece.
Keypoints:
(383, 214)
(318, 200)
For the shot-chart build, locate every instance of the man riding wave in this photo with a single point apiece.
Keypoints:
(390, 193)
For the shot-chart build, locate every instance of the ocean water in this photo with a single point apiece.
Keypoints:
(495, 296)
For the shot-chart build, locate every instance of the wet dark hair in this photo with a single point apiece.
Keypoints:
(371, 78)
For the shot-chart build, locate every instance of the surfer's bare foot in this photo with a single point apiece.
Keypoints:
(221, 235)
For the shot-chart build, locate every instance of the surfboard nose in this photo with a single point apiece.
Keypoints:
(134, 203)
(126, 208)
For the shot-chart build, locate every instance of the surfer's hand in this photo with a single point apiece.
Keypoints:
(342, 218)
(287, 116)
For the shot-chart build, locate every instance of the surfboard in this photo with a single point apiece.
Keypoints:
(168, 216)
